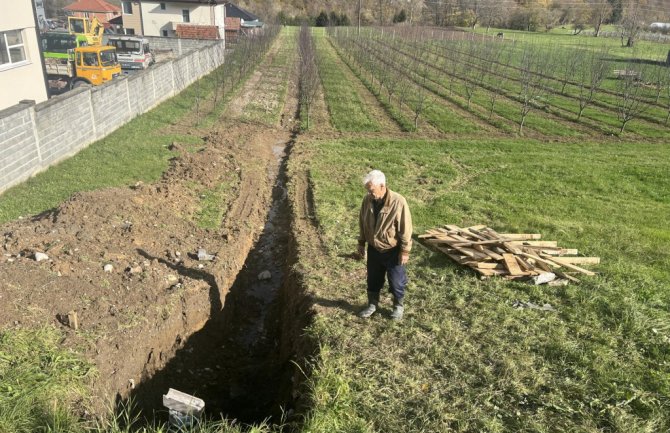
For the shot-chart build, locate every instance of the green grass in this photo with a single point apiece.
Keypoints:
(465, 359)
(347, 110)
(214, 203)
(40, 382)
(559, 37)
(274, 83)
(135, 152)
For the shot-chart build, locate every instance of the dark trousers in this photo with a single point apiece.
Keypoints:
(387, 265)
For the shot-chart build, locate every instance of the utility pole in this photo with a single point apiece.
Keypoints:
(381, 16)
(359, 18)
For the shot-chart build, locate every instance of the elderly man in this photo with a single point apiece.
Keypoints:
(386, 226)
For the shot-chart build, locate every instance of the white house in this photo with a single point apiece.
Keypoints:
(161, 18)
(659, 26)
(21, 72)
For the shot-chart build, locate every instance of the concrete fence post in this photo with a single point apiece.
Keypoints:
(130, 109)
(92, 112)
(30, 106)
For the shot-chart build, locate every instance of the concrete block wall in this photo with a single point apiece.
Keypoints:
(34, 137)
(64, 125)
(178, 46)
(19, 153)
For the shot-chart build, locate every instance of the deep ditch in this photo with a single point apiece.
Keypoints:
(246, 361)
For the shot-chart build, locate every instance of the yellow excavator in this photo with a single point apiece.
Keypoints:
(92, 30)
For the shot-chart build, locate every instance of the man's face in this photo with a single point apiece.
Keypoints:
(376, 191)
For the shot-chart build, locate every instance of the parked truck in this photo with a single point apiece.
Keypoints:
(84, 65)
(133, 51)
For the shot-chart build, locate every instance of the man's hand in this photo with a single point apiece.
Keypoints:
(361, 252)
(404, 258)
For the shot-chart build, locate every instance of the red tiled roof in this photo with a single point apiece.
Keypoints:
(92, 6)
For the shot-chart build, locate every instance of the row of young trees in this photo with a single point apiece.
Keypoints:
(240, 59)
(308, 83)
(525, 75)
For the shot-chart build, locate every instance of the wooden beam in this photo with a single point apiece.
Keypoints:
(521, 236)
(569, 266)
(578, 260)
(511, 265)
(535, 243)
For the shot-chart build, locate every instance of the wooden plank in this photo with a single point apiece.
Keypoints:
(550, 251)
(491, 272)
(511, 264)
(535, 243)
(568, 265)
(487, 242)
(493, 255)
(483, 265)
(474, 236)
(541, 263)
(512, 248)
(523, 264)
(472, 253)
(521, 236)
(478, 227)
(578, 260)
(566, 276)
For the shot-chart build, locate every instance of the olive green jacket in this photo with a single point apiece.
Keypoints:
(393, 226)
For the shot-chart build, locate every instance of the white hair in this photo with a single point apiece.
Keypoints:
(375, 177)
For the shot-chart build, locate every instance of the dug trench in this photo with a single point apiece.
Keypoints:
(247, 357)
(151, 315)
(160, 318)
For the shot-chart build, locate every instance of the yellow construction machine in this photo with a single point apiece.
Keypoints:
(92, 30)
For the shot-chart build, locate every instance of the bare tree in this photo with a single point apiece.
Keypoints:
(414, 9)
(630, 88)
(567, 64)
(632, 21)
(498, 61)
(601, 11)
(659, 79)
(533, 74)
(473, 76)
(309, 78)
(421, 98)
(493, 12)
(590, 76)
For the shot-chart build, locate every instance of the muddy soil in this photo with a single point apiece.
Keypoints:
(152, 314)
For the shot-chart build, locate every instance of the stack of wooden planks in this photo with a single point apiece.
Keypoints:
(510, 255)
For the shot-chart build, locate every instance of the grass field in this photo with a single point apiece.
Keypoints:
(347, 109)
(464, 359)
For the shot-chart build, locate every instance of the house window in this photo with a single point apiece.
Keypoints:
(127, 8)
(162, 6)
(165, 33)
(186, 15)
(130, 31)
(12, 50)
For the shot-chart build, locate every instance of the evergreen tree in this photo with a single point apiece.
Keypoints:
(322, 19)
(400, 17)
